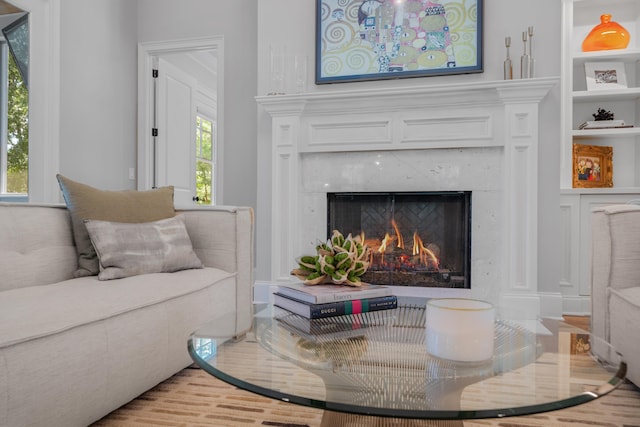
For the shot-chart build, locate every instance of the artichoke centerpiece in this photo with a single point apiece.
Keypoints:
(341, 260)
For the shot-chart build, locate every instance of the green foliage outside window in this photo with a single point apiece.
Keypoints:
(204, 163)
(203, 183)
(17, 132)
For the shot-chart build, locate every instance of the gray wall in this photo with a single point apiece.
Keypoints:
(98, 84)
(160, 20)
(501, 18)
(98, 91)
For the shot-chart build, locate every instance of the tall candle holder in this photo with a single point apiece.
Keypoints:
(525, 59)
(532, 61)
(508, 66)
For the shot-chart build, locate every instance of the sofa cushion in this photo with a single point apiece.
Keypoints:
(126, 249)
(36, 245)
(72, 303)
(85, 202)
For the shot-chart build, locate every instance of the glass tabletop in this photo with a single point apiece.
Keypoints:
(378, 364)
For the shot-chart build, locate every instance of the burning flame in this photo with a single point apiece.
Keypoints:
(426, 256)
(420, 249)
(398, 234)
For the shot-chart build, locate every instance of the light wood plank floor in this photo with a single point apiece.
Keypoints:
(582, 322)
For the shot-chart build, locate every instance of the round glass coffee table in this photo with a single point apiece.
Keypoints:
(377, 364)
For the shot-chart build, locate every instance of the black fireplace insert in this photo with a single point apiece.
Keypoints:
(416, 238)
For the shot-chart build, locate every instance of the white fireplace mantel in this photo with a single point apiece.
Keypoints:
(481, 137)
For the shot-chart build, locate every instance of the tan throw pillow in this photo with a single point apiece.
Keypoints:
(152, 247)
(85, 202)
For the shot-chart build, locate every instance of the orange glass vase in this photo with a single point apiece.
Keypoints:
(606, 35)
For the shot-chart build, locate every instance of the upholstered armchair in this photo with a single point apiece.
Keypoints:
(615, 281)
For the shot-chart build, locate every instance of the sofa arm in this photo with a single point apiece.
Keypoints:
(616, 252)
(615, 258)
(222, 237)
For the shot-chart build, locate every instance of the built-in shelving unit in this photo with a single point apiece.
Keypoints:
(580, 16)
(578, 106)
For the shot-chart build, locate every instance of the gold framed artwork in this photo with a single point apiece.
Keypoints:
(592, 166)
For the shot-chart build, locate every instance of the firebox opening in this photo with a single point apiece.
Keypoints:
(416, 238)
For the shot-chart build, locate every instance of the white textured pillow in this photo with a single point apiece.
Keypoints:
(129, 249)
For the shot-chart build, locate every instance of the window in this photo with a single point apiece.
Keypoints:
(205, 159)
(14, 106)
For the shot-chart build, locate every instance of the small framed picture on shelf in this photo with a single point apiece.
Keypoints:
(592, 166)
(605, 75)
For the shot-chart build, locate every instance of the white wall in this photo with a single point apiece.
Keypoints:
(98, 91)
(160, 20)
(501, 18)
(97, 105)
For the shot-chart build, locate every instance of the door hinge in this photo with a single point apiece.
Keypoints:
(154, 131)
(154, 73)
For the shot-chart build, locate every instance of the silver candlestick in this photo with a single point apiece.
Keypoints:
(508, 66)
(532, 62)
(525, 59)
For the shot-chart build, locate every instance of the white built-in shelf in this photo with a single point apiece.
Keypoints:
(624, 55)
(606, 133)
(579, 18)
(606, 95)
(603, 191)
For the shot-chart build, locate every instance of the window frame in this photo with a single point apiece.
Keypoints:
(200, 114)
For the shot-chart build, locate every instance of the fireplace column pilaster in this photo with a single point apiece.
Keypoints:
(520, 289)
(285, 178)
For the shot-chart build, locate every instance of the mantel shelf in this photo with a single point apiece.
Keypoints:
(481, 93)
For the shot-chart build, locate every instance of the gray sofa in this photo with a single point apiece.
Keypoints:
(615, 281)
(74, 349)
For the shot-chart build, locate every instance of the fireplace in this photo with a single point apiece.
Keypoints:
(476, 137)
(416, 238)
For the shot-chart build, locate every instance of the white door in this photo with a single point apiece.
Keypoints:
(175, 121)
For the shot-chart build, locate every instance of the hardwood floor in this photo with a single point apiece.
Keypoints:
(582, 322)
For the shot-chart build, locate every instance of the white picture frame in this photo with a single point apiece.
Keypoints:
(605, 75)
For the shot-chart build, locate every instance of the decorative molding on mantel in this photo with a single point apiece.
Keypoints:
(365, 100)
(499, 117)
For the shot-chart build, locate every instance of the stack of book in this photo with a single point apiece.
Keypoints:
(320, 301)
(325, 329)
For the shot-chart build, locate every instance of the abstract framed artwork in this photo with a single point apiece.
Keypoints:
(592, 166)
(387, 39)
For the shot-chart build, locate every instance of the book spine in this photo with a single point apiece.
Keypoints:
(319, 311)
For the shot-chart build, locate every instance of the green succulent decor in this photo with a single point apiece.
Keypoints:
(340, 260)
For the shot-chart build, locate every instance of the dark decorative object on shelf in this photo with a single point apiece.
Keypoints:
(603, 114)
(603, 119)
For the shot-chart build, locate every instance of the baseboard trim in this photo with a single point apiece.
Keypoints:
(576, 305)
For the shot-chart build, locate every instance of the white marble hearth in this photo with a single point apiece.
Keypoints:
(479, 137)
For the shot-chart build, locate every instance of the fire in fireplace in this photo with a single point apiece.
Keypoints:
(416, 238)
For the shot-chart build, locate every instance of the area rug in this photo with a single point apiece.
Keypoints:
(193, 398)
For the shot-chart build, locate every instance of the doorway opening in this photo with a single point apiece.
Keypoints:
(181, 84)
